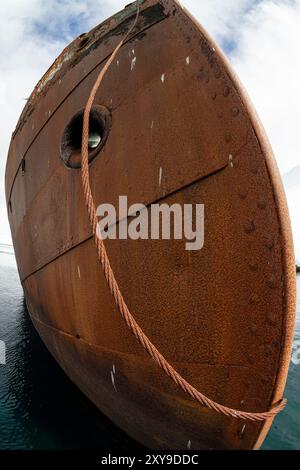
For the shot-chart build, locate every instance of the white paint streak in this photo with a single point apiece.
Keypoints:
(152, 124)
(231, 161)
(113, 380)
(189, 445)
(79, 273)
(133, 62)
(160, 176)
(114, 369)
(162, 78)
(188, 60)
(2, 353)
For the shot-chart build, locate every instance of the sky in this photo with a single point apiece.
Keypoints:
(260, 37)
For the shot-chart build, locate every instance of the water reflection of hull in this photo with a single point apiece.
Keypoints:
(181, 130)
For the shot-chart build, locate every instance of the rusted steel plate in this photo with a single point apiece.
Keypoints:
(77, 61)
(196, 154)
(183, 130)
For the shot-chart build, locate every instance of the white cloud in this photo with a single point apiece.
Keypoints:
(268, 62)
(33, 33)
(261, 36)
(264, 38)
(2, 92)
(221, 18)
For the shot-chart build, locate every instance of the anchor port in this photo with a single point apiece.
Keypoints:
(99, 127)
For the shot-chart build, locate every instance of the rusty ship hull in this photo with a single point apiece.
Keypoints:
(181, 129)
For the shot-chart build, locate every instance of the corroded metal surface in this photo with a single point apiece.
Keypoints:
(182, 130)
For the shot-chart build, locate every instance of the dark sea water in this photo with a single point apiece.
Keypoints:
(41, 409)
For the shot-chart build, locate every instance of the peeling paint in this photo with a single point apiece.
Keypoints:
(56, 67)
(160, 176)
(133, 62)
(70, 57)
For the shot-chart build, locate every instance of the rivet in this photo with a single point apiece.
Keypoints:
(228, 137)
(254, 299)
(268, 349)
(201, 73)
(217, 71)
(269, 243)
(261, 204)
(254, 166)
(272, 318)
(235, 112)
(253, 266)
(271, 282)
(249, 227)
(243, 193)
(226, 91)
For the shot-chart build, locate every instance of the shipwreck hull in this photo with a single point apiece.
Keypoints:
(181, 129)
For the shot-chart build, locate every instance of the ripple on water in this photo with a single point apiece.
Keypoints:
(285, 432)
(39, 407)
